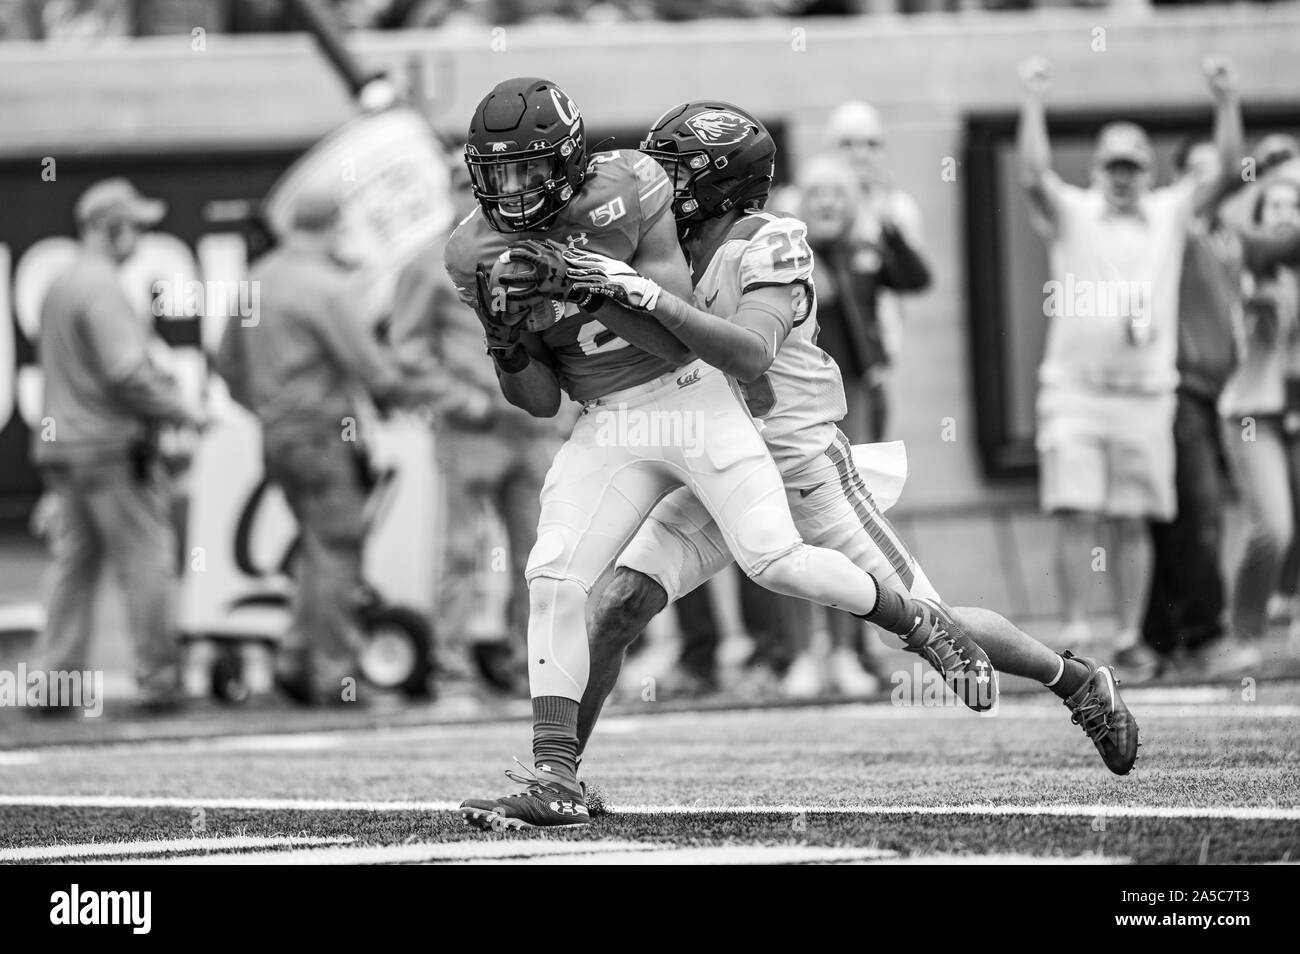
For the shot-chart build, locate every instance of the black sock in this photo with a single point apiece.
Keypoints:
(892, 611)
(1074, 675)
(555, 736)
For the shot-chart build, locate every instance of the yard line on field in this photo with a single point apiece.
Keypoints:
(1086, 858)
(22, 757)
(1240, 813)
(1067, 811)
(1150, 705)
(727, 855)
(248, 804)
(543, 852)
(455, 851)
(123, 849)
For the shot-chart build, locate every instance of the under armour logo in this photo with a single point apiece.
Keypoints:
(981, 676)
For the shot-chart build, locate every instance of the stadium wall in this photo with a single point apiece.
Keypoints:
(927, 74)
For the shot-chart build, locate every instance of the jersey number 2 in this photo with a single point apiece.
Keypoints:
(595, 338)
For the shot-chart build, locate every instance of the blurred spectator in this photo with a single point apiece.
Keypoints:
(850, 273)
(1254, 405)
(19, 20)
(296, 366)
(165, 17)
(490, 454)
(887, 227)
(1107, 401)
(85, 19)
(103, 399)
(697, 665)
(1186, 605)
(779, 628)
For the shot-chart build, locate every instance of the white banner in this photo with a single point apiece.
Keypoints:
(394, 190)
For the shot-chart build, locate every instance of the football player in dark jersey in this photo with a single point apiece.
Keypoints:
(654, 417)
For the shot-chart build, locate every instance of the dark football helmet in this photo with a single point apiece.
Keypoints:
(526, 153)
(717, 156)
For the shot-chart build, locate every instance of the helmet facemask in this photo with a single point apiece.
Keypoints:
(521, 191)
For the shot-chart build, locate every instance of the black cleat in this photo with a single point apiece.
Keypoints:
(938, 638)
(1097, 708)
(544, 803)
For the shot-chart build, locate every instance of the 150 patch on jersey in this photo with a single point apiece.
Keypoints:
(611, 211)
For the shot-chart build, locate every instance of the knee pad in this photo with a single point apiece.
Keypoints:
(558, 658)
(555, 602)
(548, 556)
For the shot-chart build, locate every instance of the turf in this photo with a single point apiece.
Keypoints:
(1203, 748)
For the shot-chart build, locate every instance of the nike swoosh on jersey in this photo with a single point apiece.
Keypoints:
(708, 301)
(804, 492)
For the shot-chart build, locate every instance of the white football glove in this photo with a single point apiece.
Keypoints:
(617, 281)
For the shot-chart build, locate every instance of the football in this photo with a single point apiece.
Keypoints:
(508, 285)
(513, 299)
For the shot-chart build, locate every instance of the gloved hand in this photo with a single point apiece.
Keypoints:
(544, 272)
(500, 333)
(593, 273)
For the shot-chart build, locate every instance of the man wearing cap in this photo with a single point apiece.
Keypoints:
(1107, 383)
(103, 401)
(887, 226)
(297, 365)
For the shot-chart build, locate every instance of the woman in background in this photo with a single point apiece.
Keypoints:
(1254, 406)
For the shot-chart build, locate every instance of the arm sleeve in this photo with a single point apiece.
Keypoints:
(742, 347)
(118, 339)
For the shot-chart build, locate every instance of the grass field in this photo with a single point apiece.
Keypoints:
(1218, 781)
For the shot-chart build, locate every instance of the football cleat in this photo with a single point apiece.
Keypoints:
(1097, 708)
(937, 638)
(544, 803)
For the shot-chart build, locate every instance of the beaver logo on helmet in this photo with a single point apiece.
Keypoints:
(717, 156)
(719, 127)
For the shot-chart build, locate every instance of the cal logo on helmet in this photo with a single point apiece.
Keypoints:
(719, 127)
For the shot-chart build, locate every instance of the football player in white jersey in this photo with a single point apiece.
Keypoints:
(754, 317)
(651, 422)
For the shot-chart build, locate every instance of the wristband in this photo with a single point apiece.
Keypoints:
(592, 302)
(511, 360)
(670, 311)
